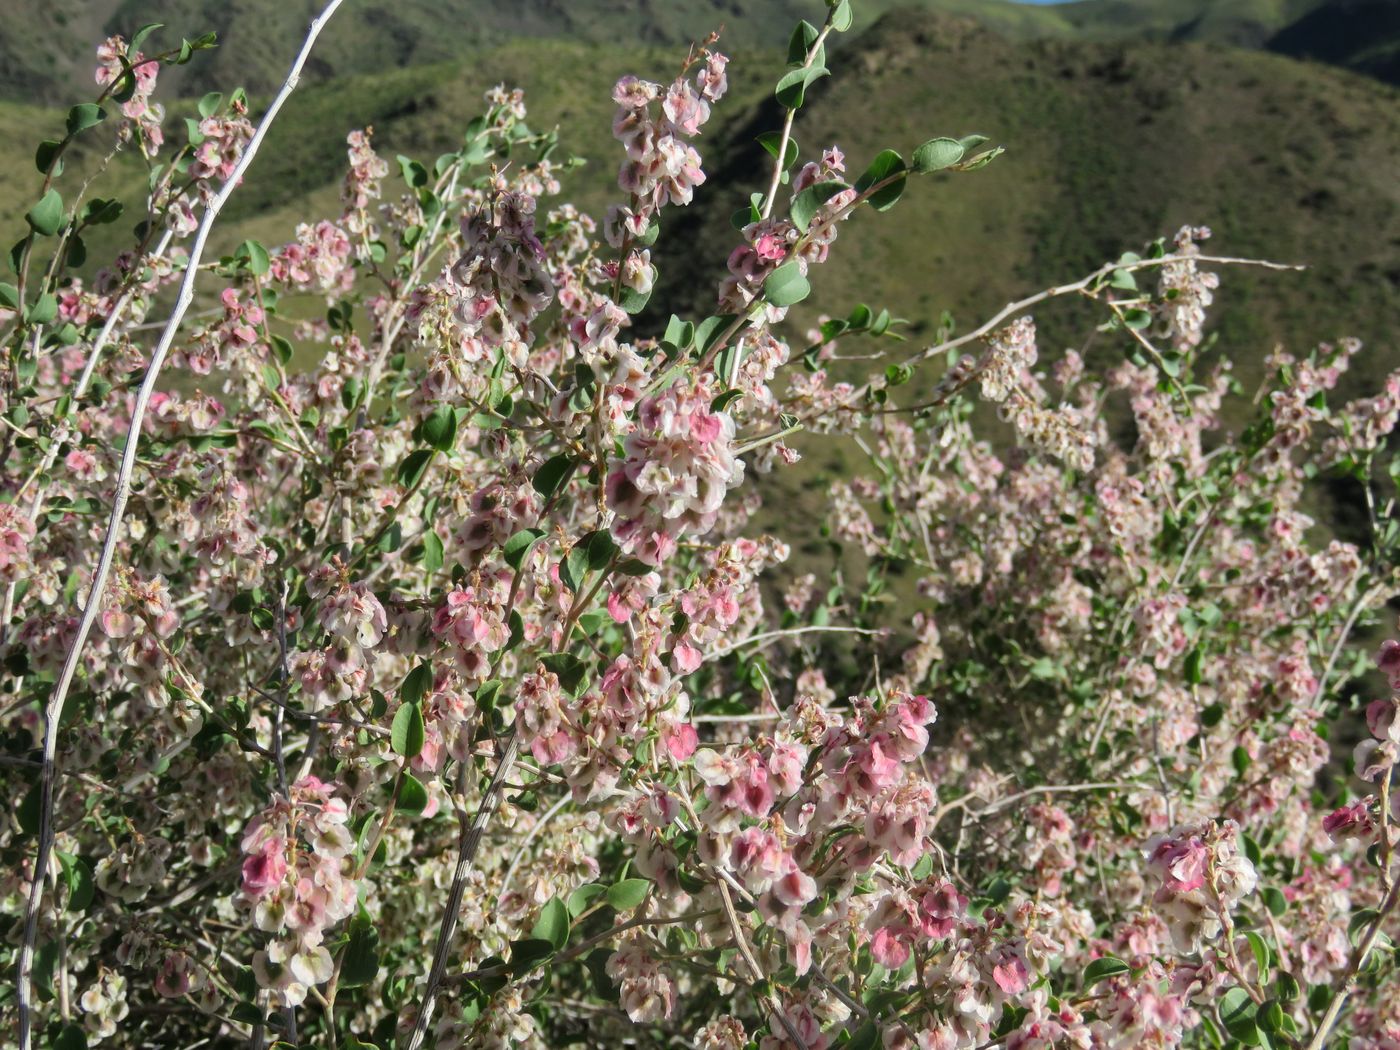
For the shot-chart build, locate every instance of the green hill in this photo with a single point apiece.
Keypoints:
(38, 62)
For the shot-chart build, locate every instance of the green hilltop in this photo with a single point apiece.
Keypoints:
(38, 62)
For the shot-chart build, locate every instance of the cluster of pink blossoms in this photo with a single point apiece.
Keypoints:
(299, 881)
(1203, 876)
(677, 466)
(146, 116)
(661, 166)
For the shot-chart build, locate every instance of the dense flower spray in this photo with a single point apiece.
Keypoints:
(461, 682)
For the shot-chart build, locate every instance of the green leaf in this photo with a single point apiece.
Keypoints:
(1237, 1011)
(258, 260)
(99, 212)
(582, 897)
(841, 16)
(518, 547)
(710, 329)
(937, 154)
(414, 465)
(406, 734)
(359, 965)
(982, 159)
(439, 429)
(138, 37)
(526, 954)
(770, 141)
(78, 878)
(598, 547)
(416, 684)
(553, 923)
(85, 115)
(433, 554)
(413, 173)
(627, 894)
(45, 156)
(1261, 953)
(1275, 901)
(806, 203)
(413, 796)
(888, 164)
(804, 35)
(553, 475)
(1193, 666)
(47, 216)
(786, 285)
(43, 310)
(210, 103)
(9, 296)
(679, 334)
(1102, 969)
(792, 88)
(71, 1037)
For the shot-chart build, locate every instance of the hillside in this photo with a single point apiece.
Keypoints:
(39, 64)
(1109, 144)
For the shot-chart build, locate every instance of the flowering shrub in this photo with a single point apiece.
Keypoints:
(445, 692)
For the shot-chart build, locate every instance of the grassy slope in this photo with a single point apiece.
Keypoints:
(37, 62)
(1109, 144)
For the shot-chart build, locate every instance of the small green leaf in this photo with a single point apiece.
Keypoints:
(633, 301)
(414, 465)
(627, 894)
(887, 165)
(553, 923)
(809, 201)
(43, 310)
(678, 333)
(78, 878)
(138, 37)
(526, 954)
(413, 796)
(841, 16)
(937, 154)
(210, 103)
(45, 156)
(433, 554)
(439, 429)
(770, 141)
(47, 216)
(786, 285)
(258, 261)
(359, 965)
(582, 897)
(792, 88)
(518, 547)
(85, 115)
(1237, 1011)
(406, 734)
(553, 475)
(1102, 969)
(416, 684)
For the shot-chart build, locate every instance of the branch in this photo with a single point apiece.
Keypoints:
(54, 710)
(467, 845)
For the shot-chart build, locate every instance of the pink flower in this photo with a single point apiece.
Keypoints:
(264, 871)
(1353, 821)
